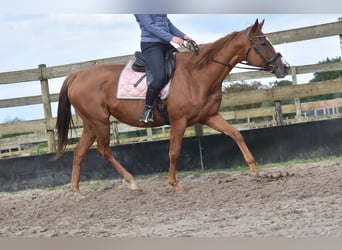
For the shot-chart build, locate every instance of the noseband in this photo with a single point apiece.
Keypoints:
(268, 64)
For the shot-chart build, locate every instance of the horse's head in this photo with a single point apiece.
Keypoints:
(262, 54)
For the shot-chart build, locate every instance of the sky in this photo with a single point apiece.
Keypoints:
(32, 38)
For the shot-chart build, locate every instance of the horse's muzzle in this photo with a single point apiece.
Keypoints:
(280, 68)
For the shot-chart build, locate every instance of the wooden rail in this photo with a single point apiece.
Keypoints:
(43, 74)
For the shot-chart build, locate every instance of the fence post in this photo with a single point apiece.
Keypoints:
(278, 113)
(199, 129)
(116, 133)
(199, 133)
(296, 100)
(149, 134)
(340, 20)
(47, 109)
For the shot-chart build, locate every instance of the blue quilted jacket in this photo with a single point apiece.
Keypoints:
(157, 28)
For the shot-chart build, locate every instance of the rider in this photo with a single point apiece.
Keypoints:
(156, 34)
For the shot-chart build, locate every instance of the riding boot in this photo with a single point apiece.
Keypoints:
(147, 115)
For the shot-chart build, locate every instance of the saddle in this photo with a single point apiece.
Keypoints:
(139, 65)
(170, 61)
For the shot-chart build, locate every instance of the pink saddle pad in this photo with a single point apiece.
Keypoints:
(128, 89)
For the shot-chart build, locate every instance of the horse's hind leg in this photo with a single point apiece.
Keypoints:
(176, 137)
(217, 122)
(102, 136)
(86, 140)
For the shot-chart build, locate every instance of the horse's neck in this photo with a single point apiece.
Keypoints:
(228, 57)
(215, 72)
(209, 76)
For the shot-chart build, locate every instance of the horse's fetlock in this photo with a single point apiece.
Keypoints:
(173, 182)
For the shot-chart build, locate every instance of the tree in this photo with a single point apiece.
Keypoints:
(325, 76)
(10, 120)
(241, 86)
(328, 75)
(281, 83)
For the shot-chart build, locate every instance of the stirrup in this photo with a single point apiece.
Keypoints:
(147, 116)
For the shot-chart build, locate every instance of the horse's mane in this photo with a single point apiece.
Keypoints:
(211, 49)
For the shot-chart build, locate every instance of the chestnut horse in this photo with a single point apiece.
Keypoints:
(195, 97)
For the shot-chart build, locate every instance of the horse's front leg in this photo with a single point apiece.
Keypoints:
(220, 124)
(176, 137)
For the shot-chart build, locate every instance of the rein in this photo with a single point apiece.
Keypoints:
(191, 45)
(228, 65)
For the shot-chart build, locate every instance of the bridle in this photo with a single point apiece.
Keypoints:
(268, 63)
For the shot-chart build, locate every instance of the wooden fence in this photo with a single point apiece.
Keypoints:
(44, 128)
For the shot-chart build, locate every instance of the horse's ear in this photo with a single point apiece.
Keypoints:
(261, 24)
(256, 27)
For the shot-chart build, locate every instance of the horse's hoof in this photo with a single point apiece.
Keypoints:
(253, 173)
(135, 186)
(178, 188)
(78, 196)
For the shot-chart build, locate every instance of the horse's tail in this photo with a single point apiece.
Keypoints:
(64, 118)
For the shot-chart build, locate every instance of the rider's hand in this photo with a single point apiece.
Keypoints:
(177, 40)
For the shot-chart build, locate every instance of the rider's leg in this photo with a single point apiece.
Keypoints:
(154, 59)
(151, 96)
